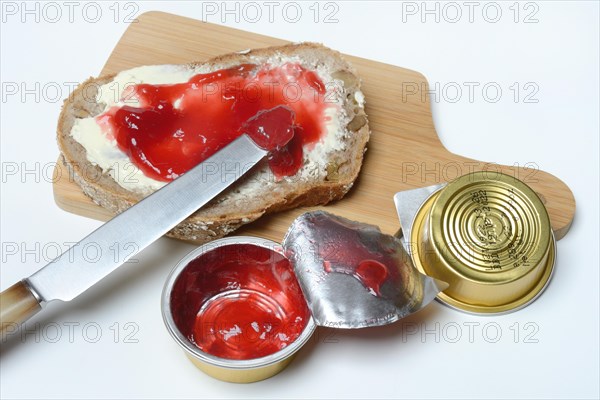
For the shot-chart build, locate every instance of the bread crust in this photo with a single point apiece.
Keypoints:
(224, 214)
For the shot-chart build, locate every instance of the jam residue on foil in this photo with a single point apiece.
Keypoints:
(360, 263)
(353, 275)
(177, 126)
(346, 250)
(239, 301)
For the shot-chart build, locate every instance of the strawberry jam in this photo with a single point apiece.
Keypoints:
(239, 301)
(176, 126)
(271, 129)
(371, 273)
(349, 251)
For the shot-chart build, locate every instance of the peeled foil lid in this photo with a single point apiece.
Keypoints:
(353, 275)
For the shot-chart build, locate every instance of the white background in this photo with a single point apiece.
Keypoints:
(548, 350)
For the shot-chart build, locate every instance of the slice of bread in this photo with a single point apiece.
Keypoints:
(327, 174)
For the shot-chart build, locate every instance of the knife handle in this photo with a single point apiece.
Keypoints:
(17, 304)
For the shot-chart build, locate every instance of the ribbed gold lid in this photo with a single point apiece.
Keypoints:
(489, 236)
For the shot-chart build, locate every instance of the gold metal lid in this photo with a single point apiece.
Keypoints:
(489, 236)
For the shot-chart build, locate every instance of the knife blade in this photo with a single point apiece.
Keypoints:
(93, 258)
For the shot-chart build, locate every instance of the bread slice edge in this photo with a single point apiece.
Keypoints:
(203, 226)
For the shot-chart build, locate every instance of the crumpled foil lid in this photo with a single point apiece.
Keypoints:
(352, 275)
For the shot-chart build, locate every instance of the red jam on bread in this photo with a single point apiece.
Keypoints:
(271, 129)
(177, 126)
(239, 301)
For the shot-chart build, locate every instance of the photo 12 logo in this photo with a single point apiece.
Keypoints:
(470, 92)
(471, 332)
(452, 12)
(427, 172)
(73, 332)
(73, 252)
(253, 12)
(52, 12)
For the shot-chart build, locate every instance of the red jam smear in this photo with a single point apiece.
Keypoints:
(346, 253)
(271, 129)
(239, 302)
(371, 273)
(177, 126)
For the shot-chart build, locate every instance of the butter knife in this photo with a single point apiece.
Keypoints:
(74, 271)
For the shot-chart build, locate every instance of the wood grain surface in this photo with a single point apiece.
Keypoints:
(404, 152)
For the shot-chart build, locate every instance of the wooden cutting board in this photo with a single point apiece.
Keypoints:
(404, 151)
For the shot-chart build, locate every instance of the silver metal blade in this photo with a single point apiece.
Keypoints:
(125, 235)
